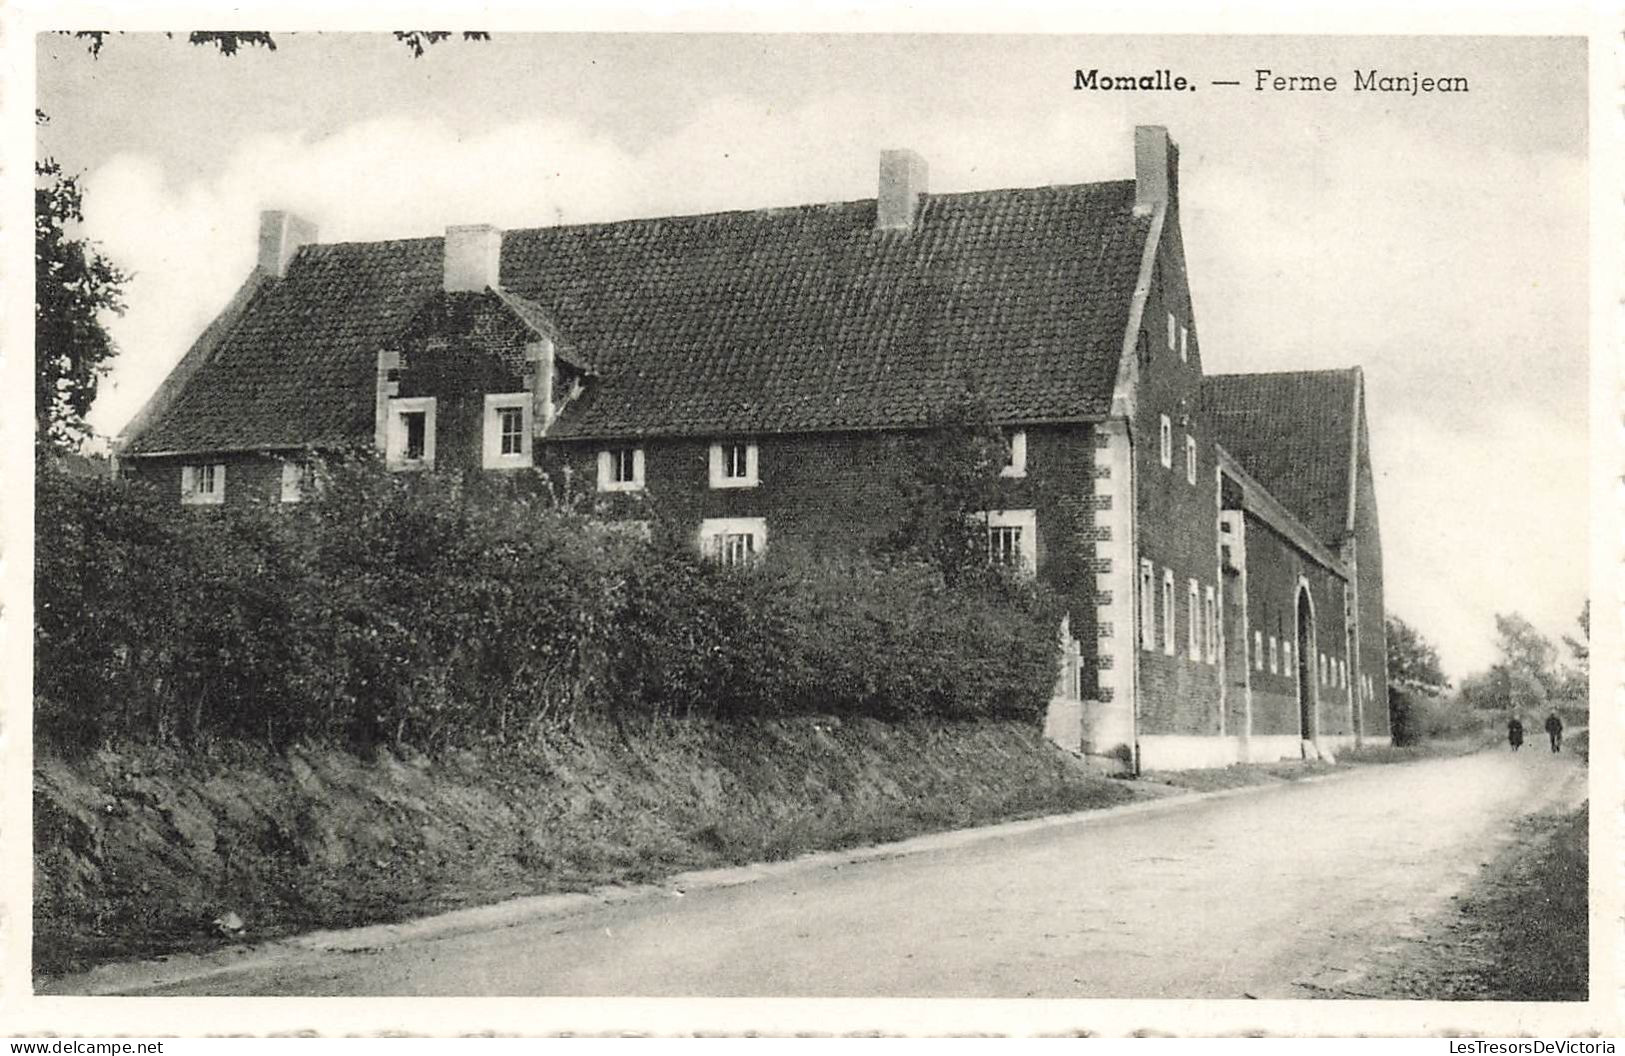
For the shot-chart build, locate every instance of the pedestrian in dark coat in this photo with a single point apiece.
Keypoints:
(1554, 729)
(1515, 733)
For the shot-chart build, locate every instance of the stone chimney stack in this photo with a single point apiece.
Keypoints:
(902, 185)
(281, 235)
(1156, 169)
(473, 258)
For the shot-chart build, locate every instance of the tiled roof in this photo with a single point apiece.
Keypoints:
(782, 320)
(1292, 433)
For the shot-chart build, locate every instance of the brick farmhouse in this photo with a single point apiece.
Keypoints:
(1214, 537)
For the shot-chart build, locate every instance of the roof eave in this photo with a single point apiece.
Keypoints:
(1257, 498)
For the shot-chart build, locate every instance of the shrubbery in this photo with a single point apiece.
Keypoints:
(395, 609)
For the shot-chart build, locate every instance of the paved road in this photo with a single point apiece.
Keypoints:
(1270, 894)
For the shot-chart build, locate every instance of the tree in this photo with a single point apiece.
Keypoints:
(417, 41)
(1413, 661)
(74, 285)
(948, 478)
(1576, 678)
(1525, 651)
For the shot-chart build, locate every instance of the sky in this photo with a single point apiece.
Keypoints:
(1439, 242)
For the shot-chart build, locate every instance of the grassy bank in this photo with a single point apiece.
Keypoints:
(139, 851)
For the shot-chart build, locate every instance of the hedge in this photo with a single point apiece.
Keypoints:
(412, 609)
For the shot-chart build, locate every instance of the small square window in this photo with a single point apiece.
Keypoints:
(410, 443)
(1004, 546)
(506, 443)
(733, 540)
(203, 485)
(1015, 454)
(298, 480)
(737, 548)
(620, 469)
(734, 464)
(1012, 539)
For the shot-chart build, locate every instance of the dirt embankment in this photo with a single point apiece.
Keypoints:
(143, 851)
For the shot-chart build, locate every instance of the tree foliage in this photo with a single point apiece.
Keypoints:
(74, 285)
(1413, 661)
(947, 480)
(423, 611)
(417, 41)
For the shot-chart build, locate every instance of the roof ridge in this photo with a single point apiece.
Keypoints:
(1281, 373)
(1118, 185)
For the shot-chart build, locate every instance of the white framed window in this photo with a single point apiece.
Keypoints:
(733, 540)
(1012, 538)
(1148, 606)
(620, 469)
(1190, 458)
(1275, 656)
(1165, 449)
(298, 481)
(1286, 657)
(1168, 611)
(1211, 611)
(1193, 620)
(203, 485)
(1342, 675)
(410, 436)
(1015, 454)
(734, 464)
(1258, 650)
(1184, 345)
(507, 442)
(1173, 326)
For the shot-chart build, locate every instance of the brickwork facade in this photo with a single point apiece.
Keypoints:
(1177, 519)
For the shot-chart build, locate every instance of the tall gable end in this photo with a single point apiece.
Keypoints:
(1294, 433)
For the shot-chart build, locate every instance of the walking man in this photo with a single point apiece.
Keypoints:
(1554, 729)
(1515, 733)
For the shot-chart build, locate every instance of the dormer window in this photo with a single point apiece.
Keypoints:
(506, 443)
(1015, 454)
(410, 441)
(734, 464)
(620, 469)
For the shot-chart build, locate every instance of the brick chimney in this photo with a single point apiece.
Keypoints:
(1156, 169)
(473, 258)
(281, 235)
(902, 185)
